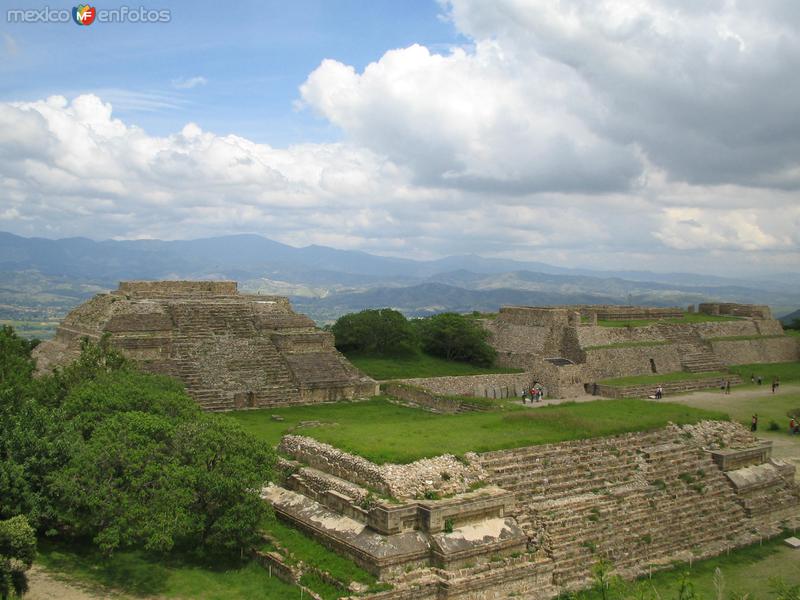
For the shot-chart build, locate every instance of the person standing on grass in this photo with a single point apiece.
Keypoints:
(791, 426)
(728, 387)
(754, 423)
(758, 380)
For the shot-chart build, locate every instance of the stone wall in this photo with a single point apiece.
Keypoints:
(170, 288)
(401, 481)
(756, 311)
(595, 335)
(483, 386)
(767, 350)
(605, 363)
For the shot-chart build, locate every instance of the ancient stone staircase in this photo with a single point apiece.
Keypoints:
(637, 501)
(695, 353)
(217, 349)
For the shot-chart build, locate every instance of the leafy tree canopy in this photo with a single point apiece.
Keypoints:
(100, 450)
(382, 332)
(455, 337)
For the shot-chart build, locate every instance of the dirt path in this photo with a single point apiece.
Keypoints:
(45, 585)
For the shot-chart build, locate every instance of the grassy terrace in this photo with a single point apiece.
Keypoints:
(662, 378)
(164, 576)
(385, 432)
(418, 365)
(788, 372)
(686, 318)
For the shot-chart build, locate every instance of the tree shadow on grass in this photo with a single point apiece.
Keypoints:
(134, 571)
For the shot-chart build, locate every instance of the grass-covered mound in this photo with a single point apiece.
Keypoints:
(418, 364)
(686, 318)
(385, 432)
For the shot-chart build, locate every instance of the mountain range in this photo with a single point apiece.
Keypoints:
(44, 278)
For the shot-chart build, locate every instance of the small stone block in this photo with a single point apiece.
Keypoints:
(792, 542)
(277, 418)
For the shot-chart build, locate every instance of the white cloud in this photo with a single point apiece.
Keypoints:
(187, 83)
(608, 134)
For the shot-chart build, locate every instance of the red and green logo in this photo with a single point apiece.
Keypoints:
(83, 14)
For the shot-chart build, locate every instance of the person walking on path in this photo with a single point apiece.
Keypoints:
(754, 423)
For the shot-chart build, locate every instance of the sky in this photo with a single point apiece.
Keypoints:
(608, 134)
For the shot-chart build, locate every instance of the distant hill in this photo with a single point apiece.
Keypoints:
(791, 317)
(44, 278)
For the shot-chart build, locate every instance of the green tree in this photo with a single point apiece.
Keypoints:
(99, 450)
(383, 332)
(17, 551)
(456, 337)
(150, 469)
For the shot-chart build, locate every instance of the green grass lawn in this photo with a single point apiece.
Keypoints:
(385, 432)
(686, 318)
(792, 332)
(141, 574)
(418, 365)
(788, 372)
(744, 571)
(656, 379)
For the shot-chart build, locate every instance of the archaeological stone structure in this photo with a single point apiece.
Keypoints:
(231, 350)
(531, 522)
(565, 348)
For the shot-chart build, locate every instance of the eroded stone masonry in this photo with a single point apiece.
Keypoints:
(531, 522)
(566, 349)
(231, 350)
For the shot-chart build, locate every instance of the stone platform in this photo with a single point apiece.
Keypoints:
(531, 522)
(231, 350)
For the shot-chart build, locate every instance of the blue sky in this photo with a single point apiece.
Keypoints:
(659, 135)
(252, 55)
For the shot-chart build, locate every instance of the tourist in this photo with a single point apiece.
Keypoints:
(758, 380)
(659, 392)
(774, 384)
(792, 425)
(754, 423)
(728, 387)
(752, 378)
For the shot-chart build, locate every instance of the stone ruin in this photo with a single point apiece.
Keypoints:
(531, 522)
(566, 349)
(231, 350)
